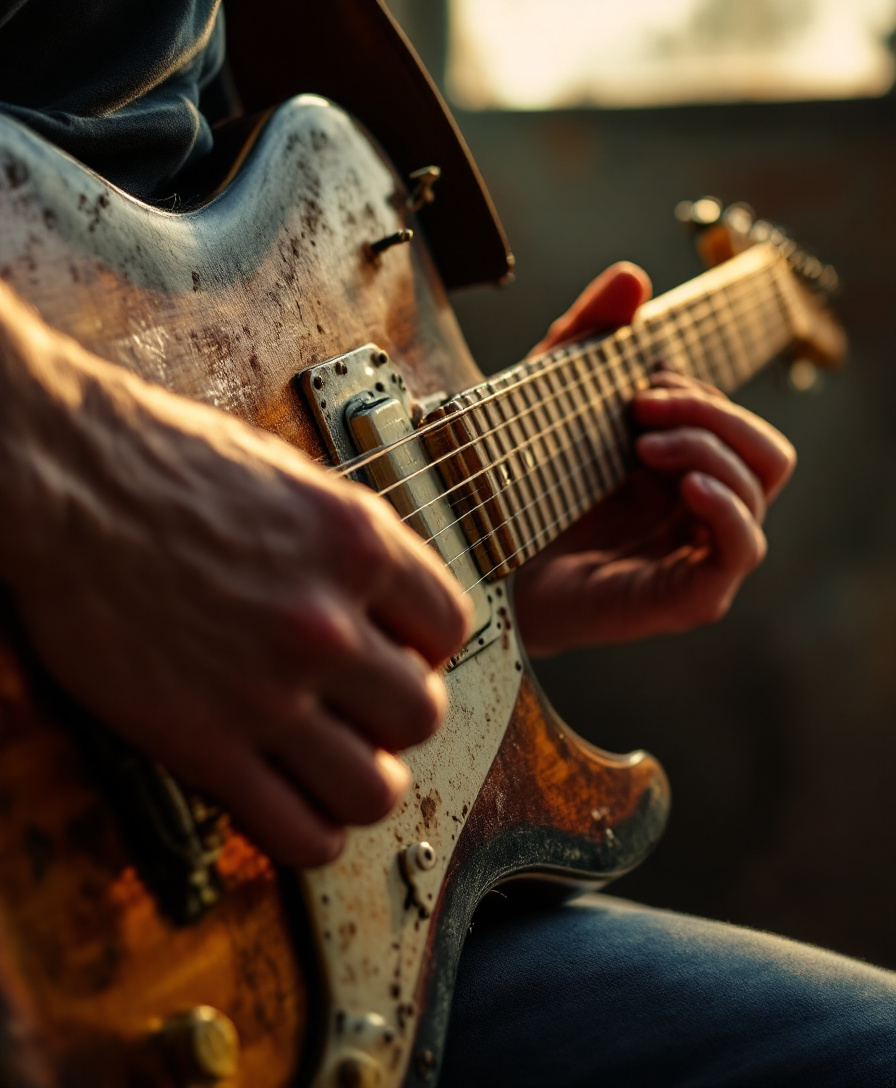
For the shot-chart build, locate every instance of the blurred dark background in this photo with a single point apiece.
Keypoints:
(777, 726)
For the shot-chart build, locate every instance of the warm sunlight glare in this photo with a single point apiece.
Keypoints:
(548, 54)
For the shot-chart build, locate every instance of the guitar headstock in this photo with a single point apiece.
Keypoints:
(723, 232)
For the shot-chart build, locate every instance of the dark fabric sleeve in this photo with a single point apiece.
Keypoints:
(117, 84)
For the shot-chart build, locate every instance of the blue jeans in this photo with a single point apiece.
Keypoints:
(601, 993)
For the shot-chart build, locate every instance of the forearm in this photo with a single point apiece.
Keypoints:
(35, 399)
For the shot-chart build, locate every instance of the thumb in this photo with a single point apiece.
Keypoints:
(610, 300)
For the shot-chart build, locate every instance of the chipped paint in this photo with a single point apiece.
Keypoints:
(370, 932)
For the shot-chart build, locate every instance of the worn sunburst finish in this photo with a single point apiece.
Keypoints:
(225, 304)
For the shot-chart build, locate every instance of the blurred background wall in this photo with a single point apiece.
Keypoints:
(777, 726)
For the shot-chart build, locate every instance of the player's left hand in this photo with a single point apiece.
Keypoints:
(670, 548)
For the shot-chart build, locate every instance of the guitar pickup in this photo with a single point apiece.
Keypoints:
(362, 406)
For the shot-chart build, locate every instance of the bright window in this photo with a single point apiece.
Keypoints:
(548, 54)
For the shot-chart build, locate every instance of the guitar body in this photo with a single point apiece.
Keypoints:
(343, 975)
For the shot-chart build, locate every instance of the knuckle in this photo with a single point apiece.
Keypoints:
(322, 627)
(713, 444)
(370, 551)
(357, 535)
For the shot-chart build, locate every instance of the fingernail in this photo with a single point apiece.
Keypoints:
(394, 771)
(708, 484)
(435, 686)
(653, 442)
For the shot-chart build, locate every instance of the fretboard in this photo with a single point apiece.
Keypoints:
(525, 454)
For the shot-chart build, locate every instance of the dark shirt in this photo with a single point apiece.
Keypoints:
(116, 83)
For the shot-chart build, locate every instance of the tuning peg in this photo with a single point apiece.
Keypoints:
(762, 231)
(701, 213)
(740, 218)
(423, 194)
(802, 376)
(829, 281)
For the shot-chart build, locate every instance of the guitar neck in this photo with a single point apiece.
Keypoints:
(528, 452)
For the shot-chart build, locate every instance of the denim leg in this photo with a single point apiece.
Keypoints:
(601, 993)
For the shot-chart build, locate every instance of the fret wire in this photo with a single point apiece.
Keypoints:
(578, 485)
(542, 465)
(640, 366)
(748, 329)
(584, 379)
(683, 352)
(547, 528)
(591, 464)
(694, 348)
(713, 362)
(537, 496)
(568, 496)
(663, 333)
(529, 442)
(613, 395)
(509, 456)
(741, 355)
(550, 469)
(600, 376)
(487, 440)
(590, 459)
(484, 454)
(762, 336)
(745, 329)
(781, 304)
(468, 589)
(534, 514)
(623, 390)
(726, 358)
(724, 365)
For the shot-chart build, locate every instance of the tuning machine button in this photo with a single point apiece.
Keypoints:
(374, 249)
(423, 194)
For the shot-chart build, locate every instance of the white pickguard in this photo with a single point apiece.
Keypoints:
(372, 944)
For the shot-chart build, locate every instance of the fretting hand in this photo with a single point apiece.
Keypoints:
(669, 549)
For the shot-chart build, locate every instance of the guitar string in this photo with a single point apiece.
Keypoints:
(570, 512)
(550, 362)
(583, 490)
(586, 497)
(466, 590)
(506, 559)
(552, 359)
(622, 360)
(590, 408)
(595, 406)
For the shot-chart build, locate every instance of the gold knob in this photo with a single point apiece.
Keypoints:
(359, 1071)
(201, 1046)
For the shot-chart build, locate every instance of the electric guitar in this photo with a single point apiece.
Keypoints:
(143, 941)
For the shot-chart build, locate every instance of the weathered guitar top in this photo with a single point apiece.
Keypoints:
(142, 940)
